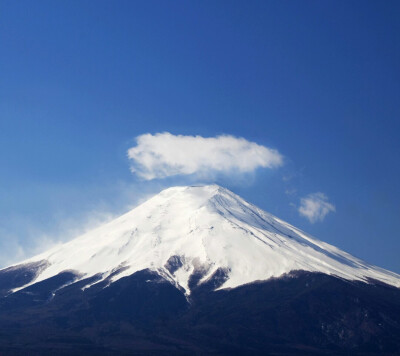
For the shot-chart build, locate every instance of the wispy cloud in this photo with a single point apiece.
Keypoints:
(315, 207)
(290, 191)
(31, 240)
(22, 237)
(164, 154)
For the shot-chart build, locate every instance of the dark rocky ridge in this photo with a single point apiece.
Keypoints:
(17, 276)
(299, 313)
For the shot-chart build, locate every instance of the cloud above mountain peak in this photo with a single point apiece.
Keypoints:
(164, 154)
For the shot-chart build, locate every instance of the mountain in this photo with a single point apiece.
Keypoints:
(198, 270)
(200, 230)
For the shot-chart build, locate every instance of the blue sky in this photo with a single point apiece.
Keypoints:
(318, 81)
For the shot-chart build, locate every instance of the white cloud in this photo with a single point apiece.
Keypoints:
(315, 207)
(164, 155)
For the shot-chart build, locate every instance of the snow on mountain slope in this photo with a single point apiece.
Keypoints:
(202, 228)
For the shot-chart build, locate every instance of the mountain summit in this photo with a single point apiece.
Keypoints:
(188, 235)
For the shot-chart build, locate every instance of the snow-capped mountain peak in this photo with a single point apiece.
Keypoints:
(200, 231)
